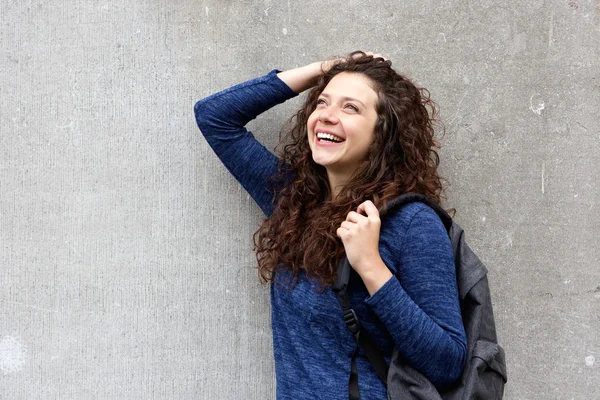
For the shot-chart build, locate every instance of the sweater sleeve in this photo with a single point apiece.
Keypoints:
(221, 118)
(420, 305)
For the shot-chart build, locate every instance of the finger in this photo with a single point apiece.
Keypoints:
(346, 225)
(368, 54)
(368, 208)
(374, 55)
(361, 208)
(377, 55)
(354, 216)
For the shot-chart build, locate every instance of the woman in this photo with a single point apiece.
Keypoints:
(363, 137)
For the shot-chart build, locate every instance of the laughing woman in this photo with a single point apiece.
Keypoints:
(363, 136)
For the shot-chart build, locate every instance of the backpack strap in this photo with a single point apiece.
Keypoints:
(361, 336)
(340, 288)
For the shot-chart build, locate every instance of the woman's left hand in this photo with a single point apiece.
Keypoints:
(360, 236)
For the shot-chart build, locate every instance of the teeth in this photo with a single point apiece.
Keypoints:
(322, 135)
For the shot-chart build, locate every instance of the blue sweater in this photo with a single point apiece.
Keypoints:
(417, 310)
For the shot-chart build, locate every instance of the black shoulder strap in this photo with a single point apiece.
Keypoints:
(340, 288)
(362, 338)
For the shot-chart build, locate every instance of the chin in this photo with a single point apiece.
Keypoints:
(319, 162)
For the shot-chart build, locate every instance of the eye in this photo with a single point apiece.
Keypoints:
(321, 101)
(352, 107)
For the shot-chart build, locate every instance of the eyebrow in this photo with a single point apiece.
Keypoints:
(344, 98)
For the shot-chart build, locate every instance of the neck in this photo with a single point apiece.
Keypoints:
(337, 182)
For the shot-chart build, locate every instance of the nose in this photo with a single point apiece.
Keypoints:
(327, 115)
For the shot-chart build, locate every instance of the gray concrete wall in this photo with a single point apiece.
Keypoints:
(126, 269)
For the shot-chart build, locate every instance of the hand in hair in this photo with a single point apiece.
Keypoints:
(302, 78)
(360, 236)
(328, 64)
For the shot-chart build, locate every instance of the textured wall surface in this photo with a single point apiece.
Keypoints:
(126, 269)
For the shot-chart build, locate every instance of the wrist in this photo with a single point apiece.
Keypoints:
(374, 274)
(302, 78)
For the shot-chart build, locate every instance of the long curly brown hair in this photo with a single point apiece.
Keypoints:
(300, 234)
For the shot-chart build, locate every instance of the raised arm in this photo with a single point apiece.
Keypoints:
(222, 117)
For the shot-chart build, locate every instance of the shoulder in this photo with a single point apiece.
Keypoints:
(401, 220)
(413, 230)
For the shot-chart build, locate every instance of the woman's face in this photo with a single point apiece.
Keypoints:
(345, 109)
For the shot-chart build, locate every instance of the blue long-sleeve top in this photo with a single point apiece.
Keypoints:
(417, 310)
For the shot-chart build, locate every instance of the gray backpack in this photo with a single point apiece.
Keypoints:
(484, 374)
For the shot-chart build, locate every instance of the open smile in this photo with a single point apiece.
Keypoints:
(327, 139)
